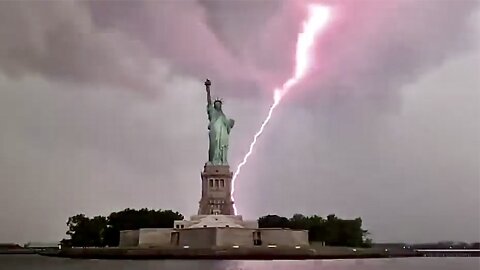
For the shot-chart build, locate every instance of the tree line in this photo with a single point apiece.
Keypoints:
(101, 231)
(332, 230)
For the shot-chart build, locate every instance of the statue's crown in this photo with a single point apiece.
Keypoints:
(218, 100)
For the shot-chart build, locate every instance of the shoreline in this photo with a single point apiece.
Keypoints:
(17, 251)
(224, 254)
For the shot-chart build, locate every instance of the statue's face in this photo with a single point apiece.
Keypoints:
(217, 105)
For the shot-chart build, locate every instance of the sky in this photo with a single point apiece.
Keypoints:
(102, 107)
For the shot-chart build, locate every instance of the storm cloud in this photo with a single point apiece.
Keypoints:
(370, 45)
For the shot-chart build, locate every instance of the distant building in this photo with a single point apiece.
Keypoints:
(4, 246)
(43, 245)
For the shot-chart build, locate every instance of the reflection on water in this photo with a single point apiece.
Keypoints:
(24, 262)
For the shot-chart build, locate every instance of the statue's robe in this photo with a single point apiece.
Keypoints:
(219, 127)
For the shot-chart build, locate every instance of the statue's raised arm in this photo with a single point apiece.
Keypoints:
(207, 87)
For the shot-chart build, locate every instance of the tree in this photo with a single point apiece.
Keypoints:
(332, 231)
(273, 221)
(105, 231)
(84, 231)
(367, 243)
(299, 222)
(130, 219)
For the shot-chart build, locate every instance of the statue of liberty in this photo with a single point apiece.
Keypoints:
(219, 130)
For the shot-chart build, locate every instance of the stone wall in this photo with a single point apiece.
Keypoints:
(215, 221)
(128, 238)
(283, 237)
(228, 237)
(213, 237)
(150, 237)
(197, 238)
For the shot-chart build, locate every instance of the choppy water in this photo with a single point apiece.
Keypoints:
(23, 262)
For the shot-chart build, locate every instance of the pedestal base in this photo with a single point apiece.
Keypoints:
(216, 191)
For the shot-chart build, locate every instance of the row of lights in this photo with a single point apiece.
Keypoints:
(355, 250)
(269, 246)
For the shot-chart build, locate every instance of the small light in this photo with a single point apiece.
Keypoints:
(272, 246)
(297, 247)
(235, 246)
(186, 246)
(354, 249)
(386, 250)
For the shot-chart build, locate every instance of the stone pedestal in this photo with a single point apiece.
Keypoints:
(216, 191)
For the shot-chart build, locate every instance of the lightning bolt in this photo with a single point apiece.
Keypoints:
(318, 17)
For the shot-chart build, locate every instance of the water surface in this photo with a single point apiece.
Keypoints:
(23, 262)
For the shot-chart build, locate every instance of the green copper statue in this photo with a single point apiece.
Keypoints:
(219, 130)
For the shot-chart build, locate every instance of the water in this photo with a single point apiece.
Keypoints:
(24, 262)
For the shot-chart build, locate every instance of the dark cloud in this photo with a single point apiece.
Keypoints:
(371, 47)
(58, 40)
